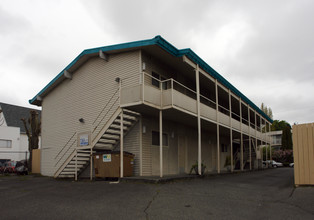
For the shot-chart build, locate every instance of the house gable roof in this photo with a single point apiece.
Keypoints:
(159, 41)
(13, 115)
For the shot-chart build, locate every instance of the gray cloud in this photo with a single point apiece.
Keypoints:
(264, 48)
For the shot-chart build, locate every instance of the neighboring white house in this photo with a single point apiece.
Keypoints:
(13, 138)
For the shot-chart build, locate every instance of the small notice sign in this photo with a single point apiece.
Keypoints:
(106, 158)
(84, 140)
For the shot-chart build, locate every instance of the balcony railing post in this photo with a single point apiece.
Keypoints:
(120, 88)
(217, 129)
(197, 76)
(75, 164)
(171, 92)
(91, 163)
(143, 83)
(230, 121)
(241, 127)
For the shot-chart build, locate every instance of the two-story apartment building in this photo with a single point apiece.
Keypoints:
(166, 106)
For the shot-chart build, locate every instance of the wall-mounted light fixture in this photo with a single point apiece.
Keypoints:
(172, 134)
(117, 79)
(81, 120)
(144, 129)
(144, 66)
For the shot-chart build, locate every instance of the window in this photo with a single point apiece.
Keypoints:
(155, 81)
(164, 84)
(5, 143)
(155, 76)
(155, 138)
(224, 148)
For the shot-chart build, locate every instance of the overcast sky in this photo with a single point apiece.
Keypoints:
(264, 48)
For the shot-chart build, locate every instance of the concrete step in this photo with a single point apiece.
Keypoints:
(83, 155)
(66, 176)
(128, 117)
(129, 112)
(67, 173)
(73, 166)
(126, 123)
(112, 131)
(104, 145)
(81, 159)
(72, 162)
(110, 137)
(106, 141)
(117, 127)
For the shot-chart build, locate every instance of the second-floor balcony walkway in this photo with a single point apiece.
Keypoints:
(145, 89)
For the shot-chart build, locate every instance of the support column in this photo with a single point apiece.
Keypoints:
(250, 152)
(141, 146)
(230, 117)
(249, 117)
(160, 144)
(241, 156)
(217, 119)
(91, 164)
(76, 164)
(199, 131)
(270, 142)
(121, 144)
(266, 150)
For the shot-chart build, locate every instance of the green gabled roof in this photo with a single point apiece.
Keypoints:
(159, 41)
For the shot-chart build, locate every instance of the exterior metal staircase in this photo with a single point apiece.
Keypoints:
(108, 138)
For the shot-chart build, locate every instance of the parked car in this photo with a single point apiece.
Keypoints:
(9, 167)
(276, 164)
(291, 165)
(21, 167)
(272, 163)
(2, 167)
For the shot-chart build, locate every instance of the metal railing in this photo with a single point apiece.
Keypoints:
(72, 140)
(149, 80)
(67, 147)
(108, 107)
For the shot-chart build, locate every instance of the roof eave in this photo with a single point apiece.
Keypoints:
(158, 40)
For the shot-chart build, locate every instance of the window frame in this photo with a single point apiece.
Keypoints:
(9, 143)
(165, 139)
(155, 82)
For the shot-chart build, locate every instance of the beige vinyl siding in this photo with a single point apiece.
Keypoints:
(146, 148)
(154, 65)
(182, 151)
(85, 96)
(132, 145)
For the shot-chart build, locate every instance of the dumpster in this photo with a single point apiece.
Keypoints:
(107, 164)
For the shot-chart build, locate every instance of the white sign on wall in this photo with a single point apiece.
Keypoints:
(84, 140)
(106, 158)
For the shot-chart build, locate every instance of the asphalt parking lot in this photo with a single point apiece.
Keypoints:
(267, 194)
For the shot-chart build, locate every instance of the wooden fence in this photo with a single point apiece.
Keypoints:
(36, 161)
(303, 150)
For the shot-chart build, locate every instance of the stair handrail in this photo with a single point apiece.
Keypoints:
(68, 148)
(105, 114)
(106, 106)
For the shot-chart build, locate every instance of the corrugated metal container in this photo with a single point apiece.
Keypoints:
(303, 150)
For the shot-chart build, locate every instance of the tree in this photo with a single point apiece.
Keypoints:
(32, 133)
(286, 141)
(267, 110)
